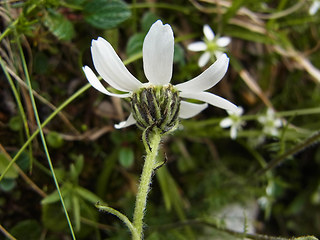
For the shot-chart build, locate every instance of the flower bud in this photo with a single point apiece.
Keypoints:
(156, 106)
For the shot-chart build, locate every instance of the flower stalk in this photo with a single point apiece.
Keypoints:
(150, 164)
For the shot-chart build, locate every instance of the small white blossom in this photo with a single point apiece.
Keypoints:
(212, 46)
(234, 121)
(270, 123)
(314, 7)
(158, 47)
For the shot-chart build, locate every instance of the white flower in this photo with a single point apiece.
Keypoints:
(212, 46)
(270, 123)
(158, 47)
(234, 121)
(314, 7)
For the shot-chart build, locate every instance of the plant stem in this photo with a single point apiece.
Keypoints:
(145, 182)
(122, 217)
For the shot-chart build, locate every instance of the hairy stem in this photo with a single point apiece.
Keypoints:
(145, 181)
(122, 217)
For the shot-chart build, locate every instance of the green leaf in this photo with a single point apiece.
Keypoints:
(15, 123)
(76, 212)
(185, 164)
(7, 184)
(78, 163)
(40, 63)
(76, 168)
(106, 170)
(87, 195)
(27, 229)
(73, 173)
(53, 197)
(53, 217)
(126, 157)
(147, 20)
(170, 191)
(106, 14)
(61, 27)
(171, 195)
(135, 43)
(239, 32)
(12, 172)
(178, 55)
(165, 188)
(54, 139)
(66, 191)
(23, 161)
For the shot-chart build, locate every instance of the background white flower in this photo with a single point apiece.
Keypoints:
(212, 46)
(234, 121)
(270, 123)
(314, 7)
(158, 47)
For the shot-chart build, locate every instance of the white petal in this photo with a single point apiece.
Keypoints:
(211, 99)
(197, 46)
(274, 132)
(204, 59)
(262, 119)
(233, 132)
(314, 7)
(188, 110)
(94, 81)
(238, 113)
(208, 33)
(223, 41)
(208, 78)
(270, 113)
(130, 121)
(158, 47)
(226, 122)
(277, 123)
(111, 68)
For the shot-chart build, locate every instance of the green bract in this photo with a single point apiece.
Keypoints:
(156, 106)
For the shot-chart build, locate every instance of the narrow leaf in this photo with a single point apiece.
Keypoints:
(87, 195)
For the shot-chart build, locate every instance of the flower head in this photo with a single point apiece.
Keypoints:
(151, 102)
(212, 46)
(270, 123)
(234, 121)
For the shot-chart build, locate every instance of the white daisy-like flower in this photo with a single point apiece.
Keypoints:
(234, 122)
(158, 47)
(314, 7)
(212, 46)
(270, 123)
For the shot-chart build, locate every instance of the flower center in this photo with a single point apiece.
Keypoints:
(156, 106)
(211, 46)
